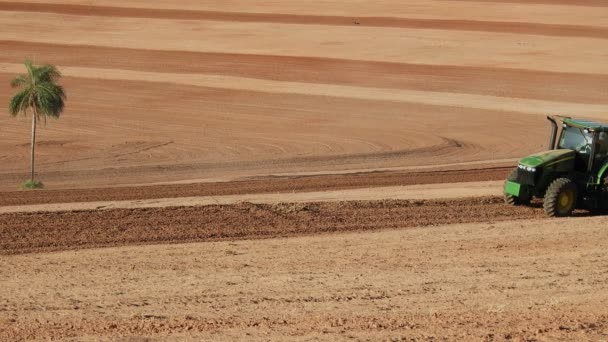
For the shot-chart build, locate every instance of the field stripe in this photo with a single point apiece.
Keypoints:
(327, 90)
(64, 230)
(548, 12)
(431, 47)
(531, 84)
(580, 3)
(410, 192)
(291, 183)
(411, 23)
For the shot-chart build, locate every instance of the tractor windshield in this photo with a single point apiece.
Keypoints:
(575, 138)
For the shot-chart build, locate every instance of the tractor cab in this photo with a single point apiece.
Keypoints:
(588, 140)
(570, 174)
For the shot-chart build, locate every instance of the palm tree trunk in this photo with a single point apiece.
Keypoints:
(34, 117)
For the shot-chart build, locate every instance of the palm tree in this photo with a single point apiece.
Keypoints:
(38, 91)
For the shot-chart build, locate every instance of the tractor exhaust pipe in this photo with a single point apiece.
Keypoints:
(553, 132)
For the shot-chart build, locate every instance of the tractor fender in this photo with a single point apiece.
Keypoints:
(602, 173)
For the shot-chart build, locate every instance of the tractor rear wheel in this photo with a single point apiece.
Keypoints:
(560, 199)
(514, 200)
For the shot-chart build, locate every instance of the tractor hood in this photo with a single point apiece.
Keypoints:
(548, 158)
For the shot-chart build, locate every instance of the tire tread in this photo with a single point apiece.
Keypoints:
(551, 196)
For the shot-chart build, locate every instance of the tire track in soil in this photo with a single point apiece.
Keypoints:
(44, 232)
(254, 186)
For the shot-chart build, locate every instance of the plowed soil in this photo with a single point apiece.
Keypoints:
(36, 232)
(255, 186)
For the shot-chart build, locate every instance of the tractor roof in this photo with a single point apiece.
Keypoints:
(591, 125)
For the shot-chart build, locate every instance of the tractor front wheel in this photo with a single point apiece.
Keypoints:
(513, 200)
(560, 198)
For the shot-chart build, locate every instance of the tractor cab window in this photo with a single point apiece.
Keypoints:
(574, 138)
(602, 143)
(601, 149)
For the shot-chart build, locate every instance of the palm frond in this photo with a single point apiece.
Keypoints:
(29, 66)
(46, 73)
(39, 90)
(19, 81)
(20, 102)
(50, 99)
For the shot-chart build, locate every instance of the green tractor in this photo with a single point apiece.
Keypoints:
(570, 175)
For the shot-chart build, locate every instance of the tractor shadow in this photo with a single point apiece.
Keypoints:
(538, 204)
(589, 213)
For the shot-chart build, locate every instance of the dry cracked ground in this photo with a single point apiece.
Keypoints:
(292, 170)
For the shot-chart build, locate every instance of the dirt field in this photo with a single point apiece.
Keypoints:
(92, 228)
(190, 91)
(277, 185)
(271, 170)
(517, 281)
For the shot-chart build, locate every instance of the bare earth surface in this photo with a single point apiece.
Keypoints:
(301, 170)
(521, 281)
(411, 192)
(189, 91)
(273, 185)
(42, 231)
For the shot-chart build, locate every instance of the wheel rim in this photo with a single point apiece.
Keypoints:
(565, 201)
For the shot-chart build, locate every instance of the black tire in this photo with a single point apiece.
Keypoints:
(560, 198)
(513, 200)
